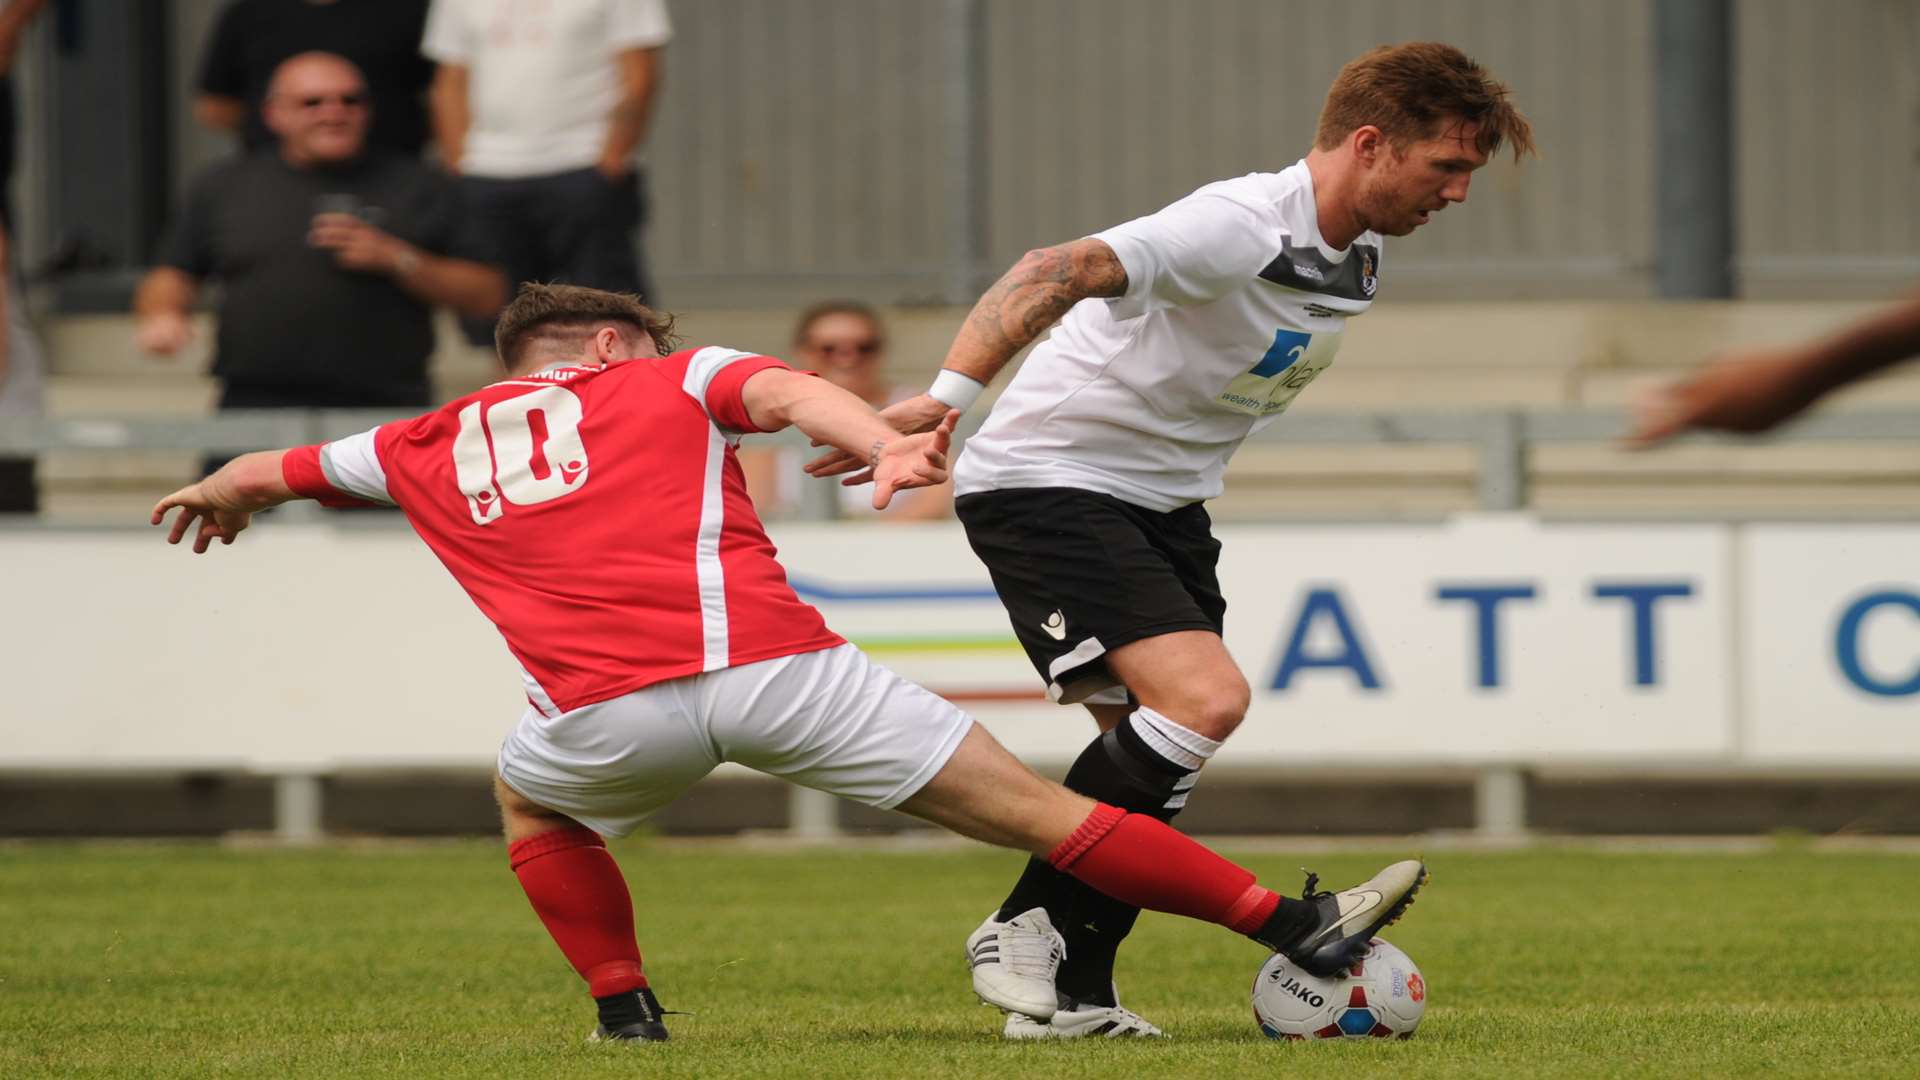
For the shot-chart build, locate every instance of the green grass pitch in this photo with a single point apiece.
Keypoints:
(423, 960)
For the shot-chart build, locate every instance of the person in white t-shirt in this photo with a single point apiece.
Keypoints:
(1178, 335)
(541, 110)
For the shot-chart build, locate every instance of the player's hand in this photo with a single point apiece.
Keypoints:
(914, 461)
(1745, 392)
(357, 245)
(215, 523)
(164, 334)
(910, 417)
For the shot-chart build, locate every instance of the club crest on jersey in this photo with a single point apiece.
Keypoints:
(1368, 282)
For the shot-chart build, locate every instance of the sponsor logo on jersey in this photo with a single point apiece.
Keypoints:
(1288, 365)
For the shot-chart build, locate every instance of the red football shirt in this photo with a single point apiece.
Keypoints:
(596, 514)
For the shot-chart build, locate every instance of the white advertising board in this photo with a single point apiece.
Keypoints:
(1491, 639)
(297, 647)
(1831, 626)
(1486, 640)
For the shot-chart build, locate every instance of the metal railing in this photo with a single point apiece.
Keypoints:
(1502, 437)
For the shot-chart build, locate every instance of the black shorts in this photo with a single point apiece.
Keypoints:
(1082, 573)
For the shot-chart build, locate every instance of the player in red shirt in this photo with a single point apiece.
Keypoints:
(592, 506)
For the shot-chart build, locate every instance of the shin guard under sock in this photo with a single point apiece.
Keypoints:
(1146, 764)
(576, 889)
(1145, 862)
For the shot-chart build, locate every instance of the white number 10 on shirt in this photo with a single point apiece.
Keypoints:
(536, 453)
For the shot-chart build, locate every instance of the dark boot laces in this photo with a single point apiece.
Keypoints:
(1307, 891)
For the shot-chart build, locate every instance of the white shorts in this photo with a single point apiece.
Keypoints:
(832, 720)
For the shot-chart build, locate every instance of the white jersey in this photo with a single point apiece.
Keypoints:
(1234, 304)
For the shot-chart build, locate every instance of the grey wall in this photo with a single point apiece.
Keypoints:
(907, 150)
(1828, 153)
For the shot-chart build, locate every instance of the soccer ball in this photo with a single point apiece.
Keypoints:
(1381, 997)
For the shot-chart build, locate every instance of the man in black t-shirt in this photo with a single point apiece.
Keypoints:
(254, 37)
(331, 258)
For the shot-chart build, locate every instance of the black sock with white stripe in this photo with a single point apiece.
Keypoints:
(1146, 764)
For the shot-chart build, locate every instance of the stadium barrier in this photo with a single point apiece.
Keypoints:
(1493, 642)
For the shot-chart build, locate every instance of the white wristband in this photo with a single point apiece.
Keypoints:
(955, 390)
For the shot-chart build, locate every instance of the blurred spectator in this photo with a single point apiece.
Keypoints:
(20, 368)
(845, 341)
(331, 258)
(541, 109)
(254, 37)
(14, 18)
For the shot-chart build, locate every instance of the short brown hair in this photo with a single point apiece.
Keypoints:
(567, 314)
(1407, 90)
(825, 308)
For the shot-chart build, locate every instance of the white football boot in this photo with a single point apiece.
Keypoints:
(1072, 1020)
(1348, 919)
(1014, 963)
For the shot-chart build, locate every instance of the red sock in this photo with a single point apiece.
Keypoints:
(577, 891)
(1142, 861)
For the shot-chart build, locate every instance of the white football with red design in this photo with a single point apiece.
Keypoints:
(1380, 997)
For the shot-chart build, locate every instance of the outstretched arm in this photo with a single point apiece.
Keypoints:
(225, 502)
(1019, 307)
(777, 397)
(1756, 390)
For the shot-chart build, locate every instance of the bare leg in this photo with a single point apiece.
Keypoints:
(522, 818)
(985, 793)
(1187, 675)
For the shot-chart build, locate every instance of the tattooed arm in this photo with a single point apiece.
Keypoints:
(1020, 306)
(1030, 298)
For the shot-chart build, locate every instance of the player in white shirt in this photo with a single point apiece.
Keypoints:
(1178, 335)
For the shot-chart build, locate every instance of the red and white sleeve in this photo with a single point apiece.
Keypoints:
(344, 472)
(714, 378)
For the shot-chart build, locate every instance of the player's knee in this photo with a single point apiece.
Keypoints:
(1216, 708)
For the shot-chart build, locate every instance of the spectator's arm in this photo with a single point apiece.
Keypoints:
(6, 326)
(448, 98)
(13, 25)
(164, 304)
(219, 112)
(468, 287)
(627, 124)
